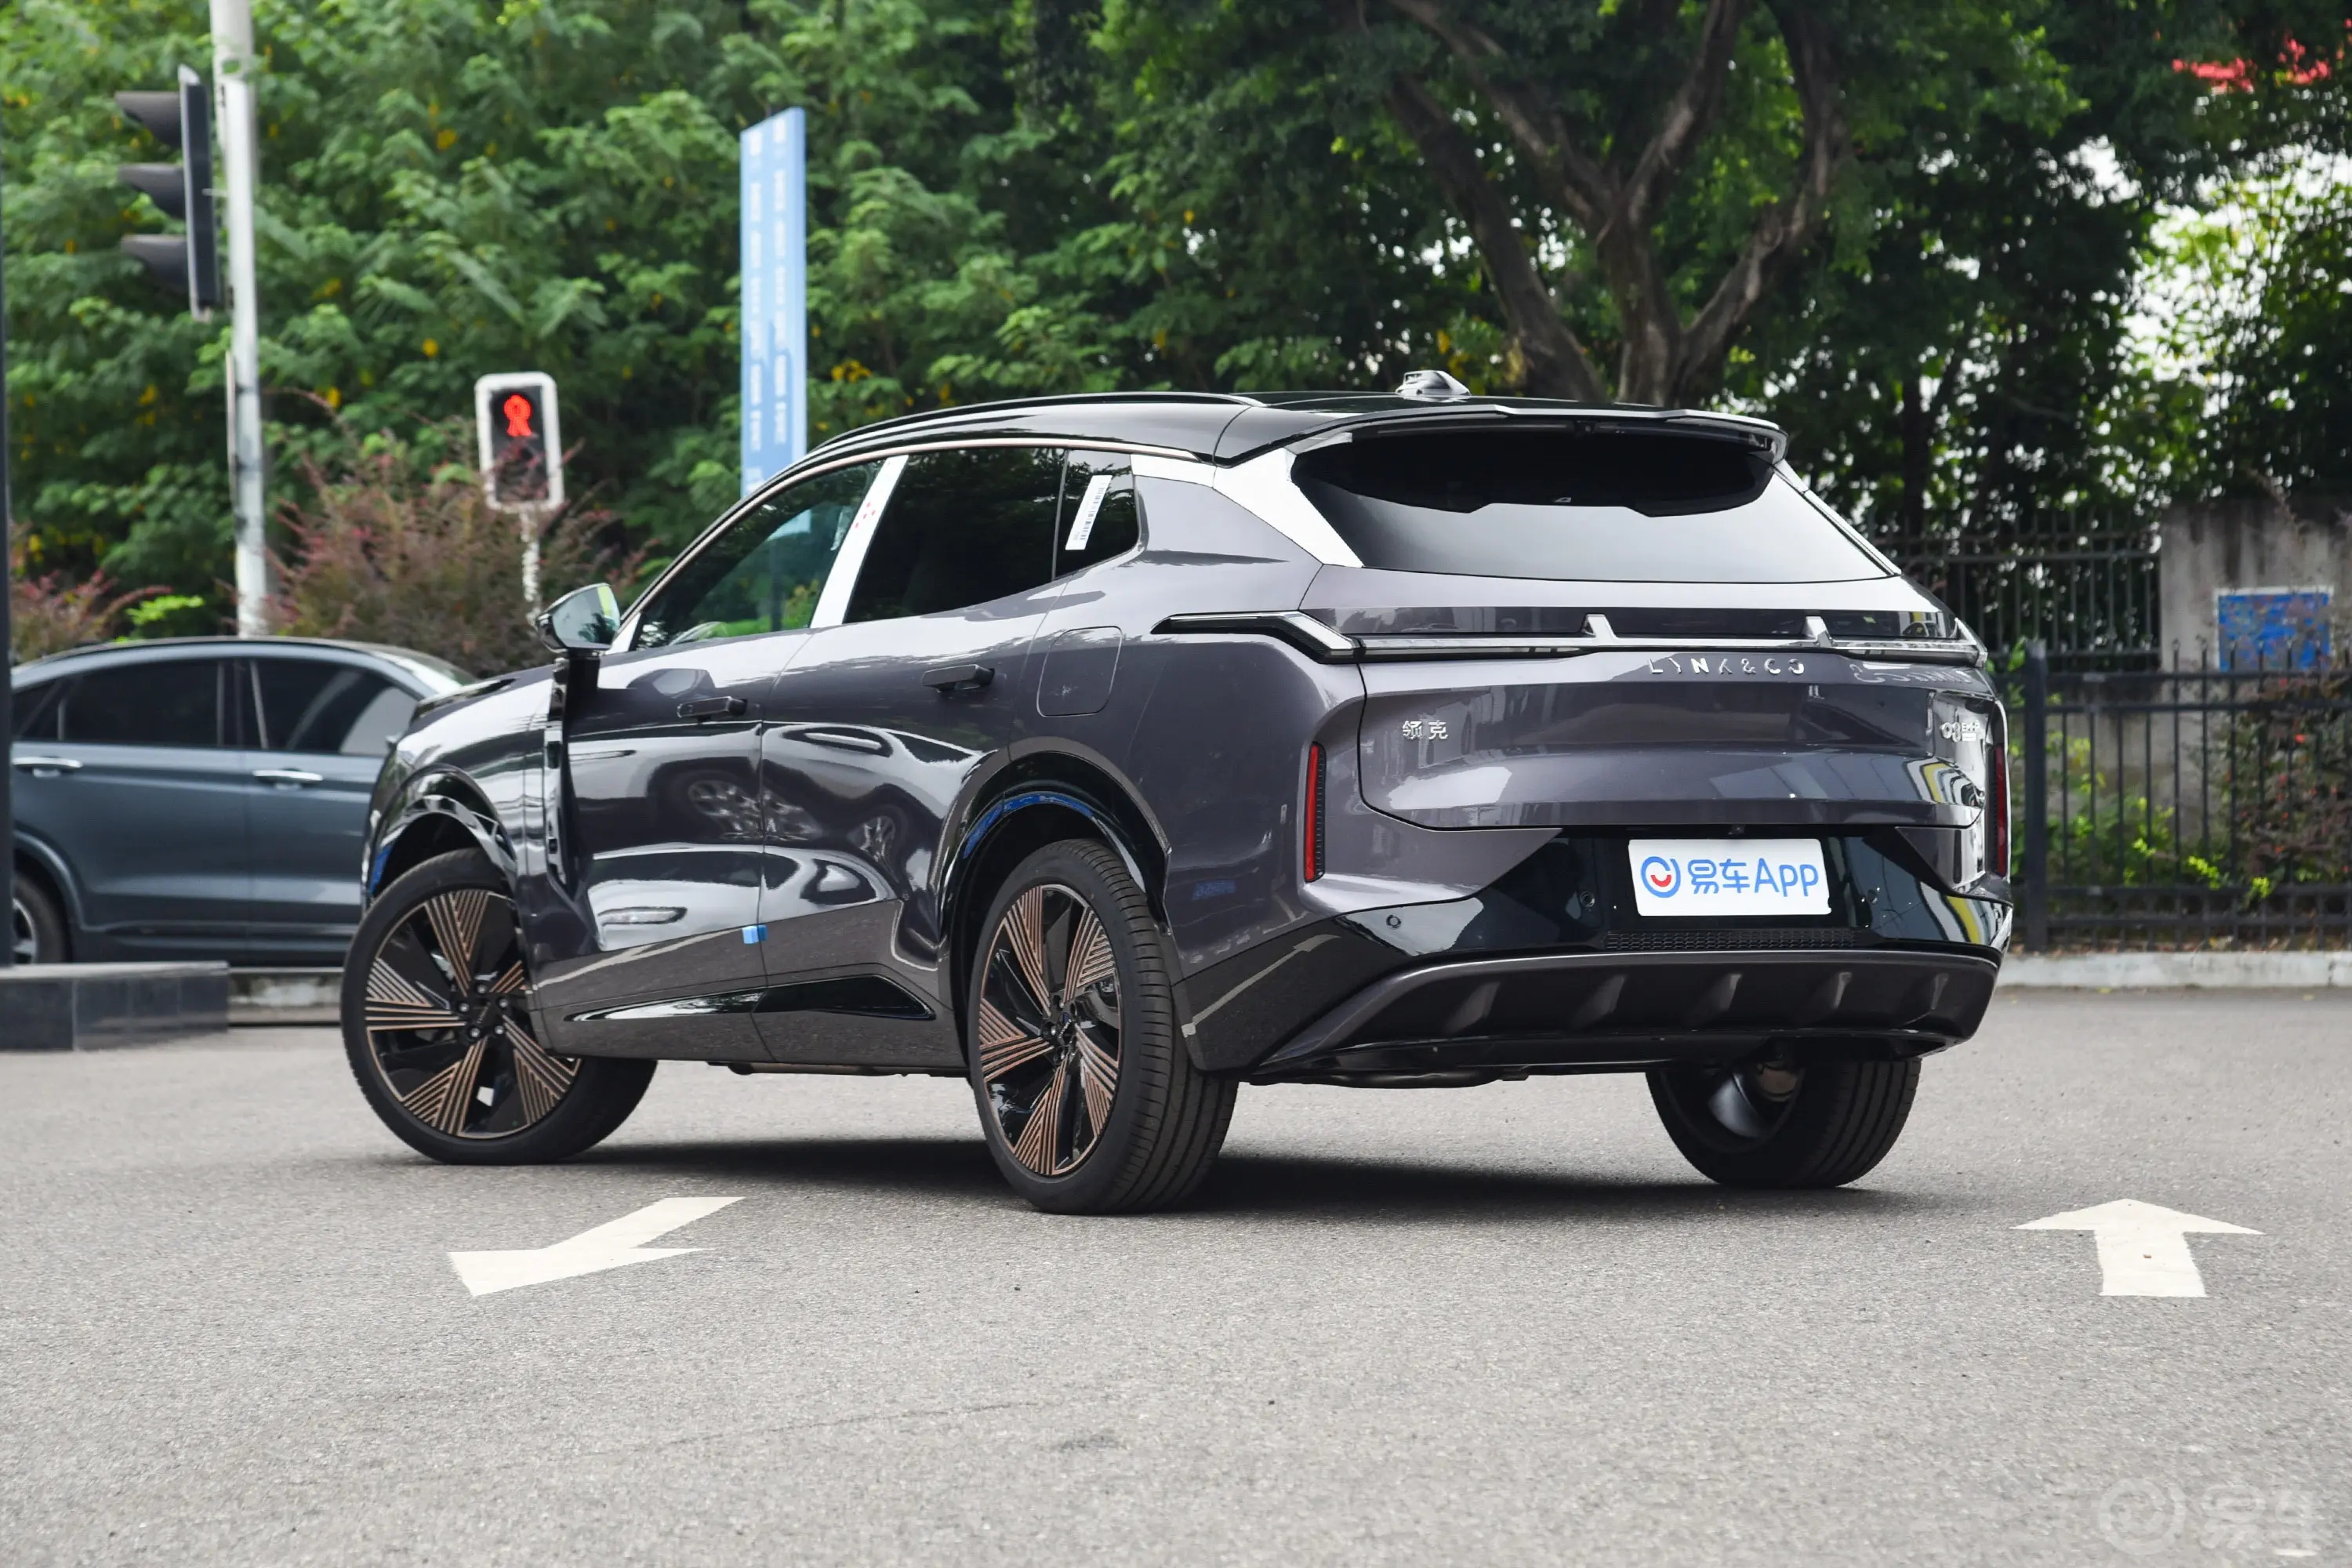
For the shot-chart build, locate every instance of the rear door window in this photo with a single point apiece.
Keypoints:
(962, 528)
(320, 706)
(152, 702)
(1600, 506)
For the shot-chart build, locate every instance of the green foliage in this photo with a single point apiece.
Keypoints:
(1063, 195)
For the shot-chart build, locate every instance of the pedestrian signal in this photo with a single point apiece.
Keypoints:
(521, 453)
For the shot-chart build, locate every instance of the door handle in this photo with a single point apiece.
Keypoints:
(288, 778)
(49, 765)
(951, 678)
(710, 708)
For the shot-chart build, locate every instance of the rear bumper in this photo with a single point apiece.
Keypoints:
(1600, 1011)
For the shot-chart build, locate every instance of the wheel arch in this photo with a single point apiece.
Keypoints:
(441, 812)
(40, 860)
(1037, 800)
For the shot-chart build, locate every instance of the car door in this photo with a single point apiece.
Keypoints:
(876, 729)
(143, 796)
(320, 727)
(658, 780)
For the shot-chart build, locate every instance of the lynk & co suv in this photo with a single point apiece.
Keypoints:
(1113, 752)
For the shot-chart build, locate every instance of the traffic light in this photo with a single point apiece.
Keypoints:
(183, 118)
(522, 444)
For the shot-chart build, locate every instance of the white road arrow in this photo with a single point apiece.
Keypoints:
(613, 1245)
(2143, 1248)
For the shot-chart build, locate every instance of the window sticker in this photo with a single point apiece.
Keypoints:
(1082, 528)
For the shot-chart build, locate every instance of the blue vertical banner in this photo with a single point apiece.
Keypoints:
(775, 296)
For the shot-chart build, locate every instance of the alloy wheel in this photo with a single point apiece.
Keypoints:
(1048, 1030)
(23, 943)
(448, 1019)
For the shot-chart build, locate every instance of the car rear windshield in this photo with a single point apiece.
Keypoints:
(1602, 506)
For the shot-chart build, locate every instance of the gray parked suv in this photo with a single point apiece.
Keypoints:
(1114, 752)
(202, 797)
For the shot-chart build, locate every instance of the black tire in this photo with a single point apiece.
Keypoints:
(36, 927)
(445, 1051)
(1770, 1125)
(1069, 1136)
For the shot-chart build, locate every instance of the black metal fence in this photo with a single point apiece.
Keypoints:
(2189, 806)
(2086, 588)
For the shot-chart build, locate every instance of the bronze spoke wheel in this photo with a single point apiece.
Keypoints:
(448, 1019)
(437, 1023)
(1089, 1099)
(1048, 1029)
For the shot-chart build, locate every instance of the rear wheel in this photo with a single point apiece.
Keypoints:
(1088, 1100)
(1772, 1124)
(436, 1022)
(36, 927)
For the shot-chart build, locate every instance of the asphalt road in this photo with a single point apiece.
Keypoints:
(1502, 1324)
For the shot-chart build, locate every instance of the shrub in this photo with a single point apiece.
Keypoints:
(48, 614)
(389, 550)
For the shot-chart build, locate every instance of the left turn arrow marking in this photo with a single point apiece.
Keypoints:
(613, 1245)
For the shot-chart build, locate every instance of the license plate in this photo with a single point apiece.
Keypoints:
(1716, 876)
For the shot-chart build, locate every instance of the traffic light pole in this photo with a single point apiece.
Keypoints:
(7, 643)
(232, 61)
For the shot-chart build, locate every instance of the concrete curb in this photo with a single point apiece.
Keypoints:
(2197, 971)
(285, 996)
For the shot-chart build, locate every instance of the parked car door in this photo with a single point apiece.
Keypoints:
(660, 769)
(877, 728)
(143, 794)
(317, 739)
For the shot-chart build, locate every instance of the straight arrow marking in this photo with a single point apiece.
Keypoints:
(614, 1244)
(2143, 1248)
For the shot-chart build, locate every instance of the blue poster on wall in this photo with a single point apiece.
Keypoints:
(2271, 629)
(774, 304)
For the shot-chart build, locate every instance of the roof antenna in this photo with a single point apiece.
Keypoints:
(1432, 386)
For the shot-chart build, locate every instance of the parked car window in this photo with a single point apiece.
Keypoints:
(37, 710)
(765, 571)
(962, 528)
(316, 705)
(151, 702)
(1603, 506)
(1099, 515)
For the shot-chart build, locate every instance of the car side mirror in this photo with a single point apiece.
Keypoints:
(585, 620)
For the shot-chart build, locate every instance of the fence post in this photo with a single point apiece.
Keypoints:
(2035, 883)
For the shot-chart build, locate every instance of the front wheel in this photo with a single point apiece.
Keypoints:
(1090, 1103)
(436, 1022)
(1772, 1124)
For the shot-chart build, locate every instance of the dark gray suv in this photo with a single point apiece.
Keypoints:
(202, 797)
(1114, 752)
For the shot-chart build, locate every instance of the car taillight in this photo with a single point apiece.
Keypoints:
(1996, 837)
(1313, 834)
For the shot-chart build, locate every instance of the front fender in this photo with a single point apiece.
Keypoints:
(436, 816)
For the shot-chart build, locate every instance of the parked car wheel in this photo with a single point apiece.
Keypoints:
(436, 1022)
(36, 927)
(1088, 1100)
(1767, 1124)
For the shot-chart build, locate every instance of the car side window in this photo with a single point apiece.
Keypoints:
(962, 528)
(153, 702)
(1100, 516)
(37, 710)
(320, 706)
(765, 571)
